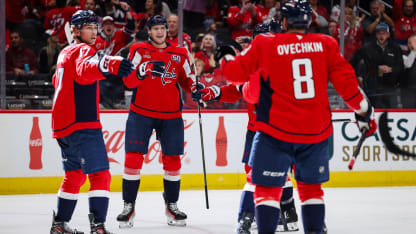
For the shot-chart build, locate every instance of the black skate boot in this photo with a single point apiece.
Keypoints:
(244, 224)
(174, 215)
(126, 218)
(59, 227)
(291, 219)
(97, 228)
(325, 229)
(282, 225)
(288, 221)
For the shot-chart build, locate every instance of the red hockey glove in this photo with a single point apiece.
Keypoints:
(367, 122)
(115, 65)
(212, 93)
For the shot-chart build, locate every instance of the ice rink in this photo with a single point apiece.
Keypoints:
(349, 211)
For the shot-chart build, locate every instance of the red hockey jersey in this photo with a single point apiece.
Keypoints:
(293, 103)
(114, 45)
(173, 40)
(159, 96)
(55, 21)
(76, 98)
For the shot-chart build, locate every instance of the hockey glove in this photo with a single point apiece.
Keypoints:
(156, 68)
(115, 65)
(196, 86)
(212, 93)
(367, 123)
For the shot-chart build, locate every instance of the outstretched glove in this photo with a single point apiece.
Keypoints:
(115, 65)
(367, 123)
(155, 68)
(212, 93)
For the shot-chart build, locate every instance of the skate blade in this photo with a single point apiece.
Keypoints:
(292, 227)
(123, 225)
(280, 228)
(177, 223)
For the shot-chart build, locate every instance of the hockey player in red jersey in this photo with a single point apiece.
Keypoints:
(76, 123)
(293, 120)
(156, 104)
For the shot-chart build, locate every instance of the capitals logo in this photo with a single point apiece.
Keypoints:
(160, 69)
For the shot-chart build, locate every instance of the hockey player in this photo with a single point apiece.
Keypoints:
(156, 104)
(76, 123)
(293, 120)
(288, 222)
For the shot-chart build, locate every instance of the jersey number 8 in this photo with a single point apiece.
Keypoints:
(303, 85)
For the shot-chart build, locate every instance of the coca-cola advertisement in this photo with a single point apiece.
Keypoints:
(35, 146)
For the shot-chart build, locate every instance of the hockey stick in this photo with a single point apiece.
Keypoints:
(68, 33)
(387, 139)
(201, 134)
(357, 150)
(344, 120)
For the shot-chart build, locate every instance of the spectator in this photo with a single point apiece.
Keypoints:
(378, 15)
(336, 10)
(19, 59)
(187, 98)
(56, 19)
(111, 42)
(15, 13)
(172, 37)
(242, 18)
(397, 9)
(320, 17)
(384, 64)
(405, 25)
(119, 13)
(332, 28)
(264, 9)
(48, 55)
(206, 54)
(149, 11)
(96, 6)
(408, 81)
(274, 13)
(353, 33)
(196, 46)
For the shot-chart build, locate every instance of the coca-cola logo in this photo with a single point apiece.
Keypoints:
(114, 142)
(221, 141)
(35, 142)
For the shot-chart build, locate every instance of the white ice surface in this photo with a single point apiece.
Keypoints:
(384, 210)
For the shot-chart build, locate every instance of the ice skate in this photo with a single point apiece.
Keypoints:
(288, 221)
(174, 216)
(96, 227)
(244, 224)
(126, 218)
(59, 227)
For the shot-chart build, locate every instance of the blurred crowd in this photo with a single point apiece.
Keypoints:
(380, 42)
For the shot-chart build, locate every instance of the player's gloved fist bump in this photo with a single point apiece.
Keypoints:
(196, 86)
(367, 122)
(212, 93)
(115, 65)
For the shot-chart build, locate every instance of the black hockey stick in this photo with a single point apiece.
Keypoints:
(387, 139)
(201, 136)
(357, 150)
(344, 120)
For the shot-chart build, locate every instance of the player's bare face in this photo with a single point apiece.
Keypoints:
(89, 33)
(158, 35)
